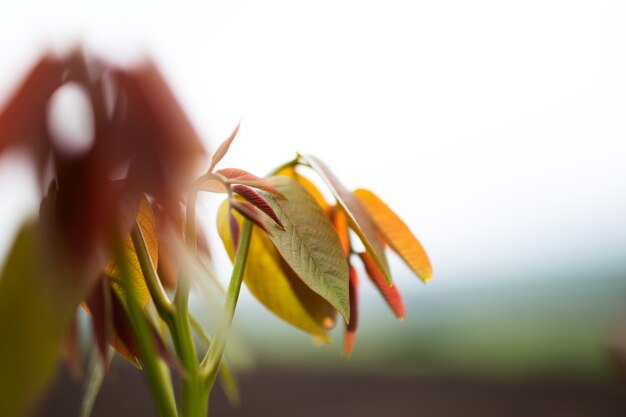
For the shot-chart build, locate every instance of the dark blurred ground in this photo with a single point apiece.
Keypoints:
(282, 393)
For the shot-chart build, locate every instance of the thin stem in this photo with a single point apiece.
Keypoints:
(157, 292)
(211, 362)
(156, 372)
(194, 396)
(202, 334)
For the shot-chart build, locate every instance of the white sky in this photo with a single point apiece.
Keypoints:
(496, 129)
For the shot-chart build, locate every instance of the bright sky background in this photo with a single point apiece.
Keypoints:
(497, 130)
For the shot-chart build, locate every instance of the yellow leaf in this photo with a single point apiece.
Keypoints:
(145, 218)
(275, 285)
(397, 234)
(307, 184)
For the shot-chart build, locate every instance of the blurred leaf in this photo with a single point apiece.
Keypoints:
(96, 371)
(145, 218)
(309, 243)
(390, 292)
(350, 333)
(275, 285)
(397, 234)
(258, 201)
(359, 218)
(211, 183)
(291, 172)
(38, 301)
(223, 149)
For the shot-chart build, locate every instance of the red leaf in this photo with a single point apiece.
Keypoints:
(258, 201)
(223, 148)
(240, 176)
(234, 229)
(350, 333)
(389, 292)
(250, 212)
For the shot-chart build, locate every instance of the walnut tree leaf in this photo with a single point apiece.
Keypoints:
(360, 220)
(223, 148)
(389, 292)
(309, 243)
(397, 234)
(274, 284)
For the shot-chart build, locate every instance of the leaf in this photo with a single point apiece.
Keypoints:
(358, 217)
(211, 183)
(340, 222)
(390, 292)
(250, 213)
(239, 176)
(234, 229)
(291, 172)
(350, 332)
(275, 285)
(258, 201)
(145, 218)
(309, 243)
(397, 234)
(38, 300)
(223, 148)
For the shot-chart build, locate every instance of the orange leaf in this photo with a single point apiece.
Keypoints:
(389, 292)
(340, 221)
(397, 234)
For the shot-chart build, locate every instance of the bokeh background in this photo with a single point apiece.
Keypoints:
(497, 130)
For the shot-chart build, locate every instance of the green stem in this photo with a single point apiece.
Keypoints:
(157, 293)
(211, 362)
(156, 371)
(194, 396)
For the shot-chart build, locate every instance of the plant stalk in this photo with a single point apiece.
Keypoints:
(156, 371)
(211, 362)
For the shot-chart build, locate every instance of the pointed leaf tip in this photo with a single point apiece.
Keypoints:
(223, 148)
(389, 292)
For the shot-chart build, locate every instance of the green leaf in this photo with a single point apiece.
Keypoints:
(309, 243)
(38, 301)
(274, 284)
(359, 218)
